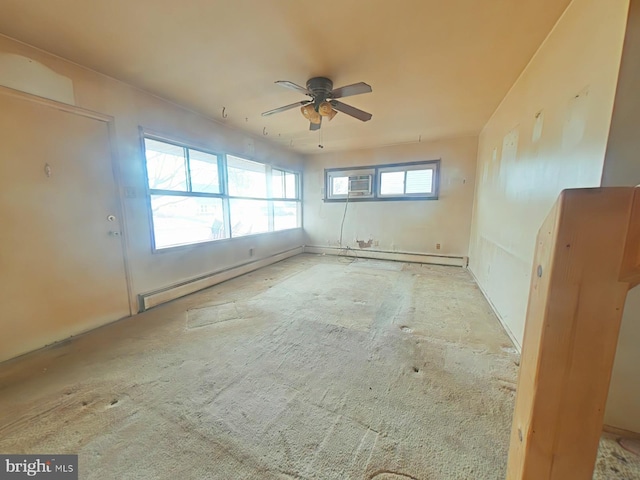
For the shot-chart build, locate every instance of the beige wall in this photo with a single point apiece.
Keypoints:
(571, 80)
(622, 168)
(132, 108)
(400, 226)
(516, 190)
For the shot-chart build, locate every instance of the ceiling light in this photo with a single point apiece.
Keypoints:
(326, 110)
(310, 114)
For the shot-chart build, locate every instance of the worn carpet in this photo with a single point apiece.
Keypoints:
(312, 368)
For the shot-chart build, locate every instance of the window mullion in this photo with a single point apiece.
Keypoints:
(226, 213)
(224, 175)
(187, 169)
(189, 205)
(270, 210)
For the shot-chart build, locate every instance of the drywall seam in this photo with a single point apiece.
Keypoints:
(508, 331)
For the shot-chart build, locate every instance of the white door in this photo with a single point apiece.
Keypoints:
(61, 256)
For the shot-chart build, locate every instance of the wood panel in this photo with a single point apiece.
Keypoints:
(630, 271)
(573, 320)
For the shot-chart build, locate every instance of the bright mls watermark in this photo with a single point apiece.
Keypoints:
(45, 467)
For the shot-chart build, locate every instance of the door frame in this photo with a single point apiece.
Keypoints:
(115, 170)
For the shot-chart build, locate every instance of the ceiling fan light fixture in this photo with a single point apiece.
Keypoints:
(324, 100)
(310, 114)
(326, 110)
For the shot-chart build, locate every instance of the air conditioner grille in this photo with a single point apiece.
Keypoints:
(360, 184)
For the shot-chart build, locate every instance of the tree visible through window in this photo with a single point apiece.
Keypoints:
(191, 203)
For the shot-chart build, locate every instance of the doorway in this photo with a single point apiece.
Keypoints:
(62, 268)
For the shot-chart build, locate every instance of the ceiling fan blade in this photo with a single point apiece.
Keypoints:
(286, 107)
(350, 90)
(315, 126)
(293, 86)
(352, 111)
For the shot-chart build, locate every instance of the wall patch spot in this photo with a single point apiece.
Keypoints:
(27, 75)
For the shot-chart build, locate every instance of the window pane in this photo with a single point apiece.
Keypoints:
(166, 166)
(277, 183)
(248, 216)
(392, 183)
(339, 185)
(291, 182)
(285, 215)
(184, 220)
(419, 181)
(246, 178)
(204, 172)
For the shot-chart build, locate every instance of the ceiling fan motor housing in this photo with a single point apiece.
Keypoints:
(321, 87)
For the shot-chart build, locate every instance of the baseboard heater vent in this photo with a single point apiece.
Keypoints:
(432, 259)
(157, 297)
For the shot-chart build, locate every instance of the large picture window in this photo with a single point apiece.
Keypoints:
(197, 196)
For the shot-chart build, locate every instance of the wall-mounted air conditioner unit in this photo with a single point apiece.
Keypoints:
(360, 185)
(343, 184)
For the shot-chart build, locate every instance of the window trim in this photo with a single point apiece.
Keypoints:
(432, 165)
(377, 170)
(223, 195)
(298, 197)
(189, 192)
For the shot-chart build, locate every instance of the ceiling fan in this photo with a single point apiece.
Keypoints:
(323, 101)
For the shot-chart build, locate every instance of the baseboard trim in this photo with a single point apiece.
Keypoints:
(620, 432)
(432, 259)
(507, 330)
(172, 292)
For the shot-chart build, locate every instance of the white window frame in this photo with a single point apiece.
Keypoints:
(376, 172)
(338, 173)
(224, 192)
(434, 166)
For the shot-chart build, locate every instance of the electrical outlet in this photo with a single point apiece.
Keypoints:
(437, 246)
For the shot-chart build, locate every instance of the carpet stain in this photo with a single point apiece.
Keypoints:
(203, 317)
(387, 475)
(311, 369)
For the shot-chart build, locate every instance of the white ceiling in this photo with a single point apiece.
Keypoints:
(438, 68)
